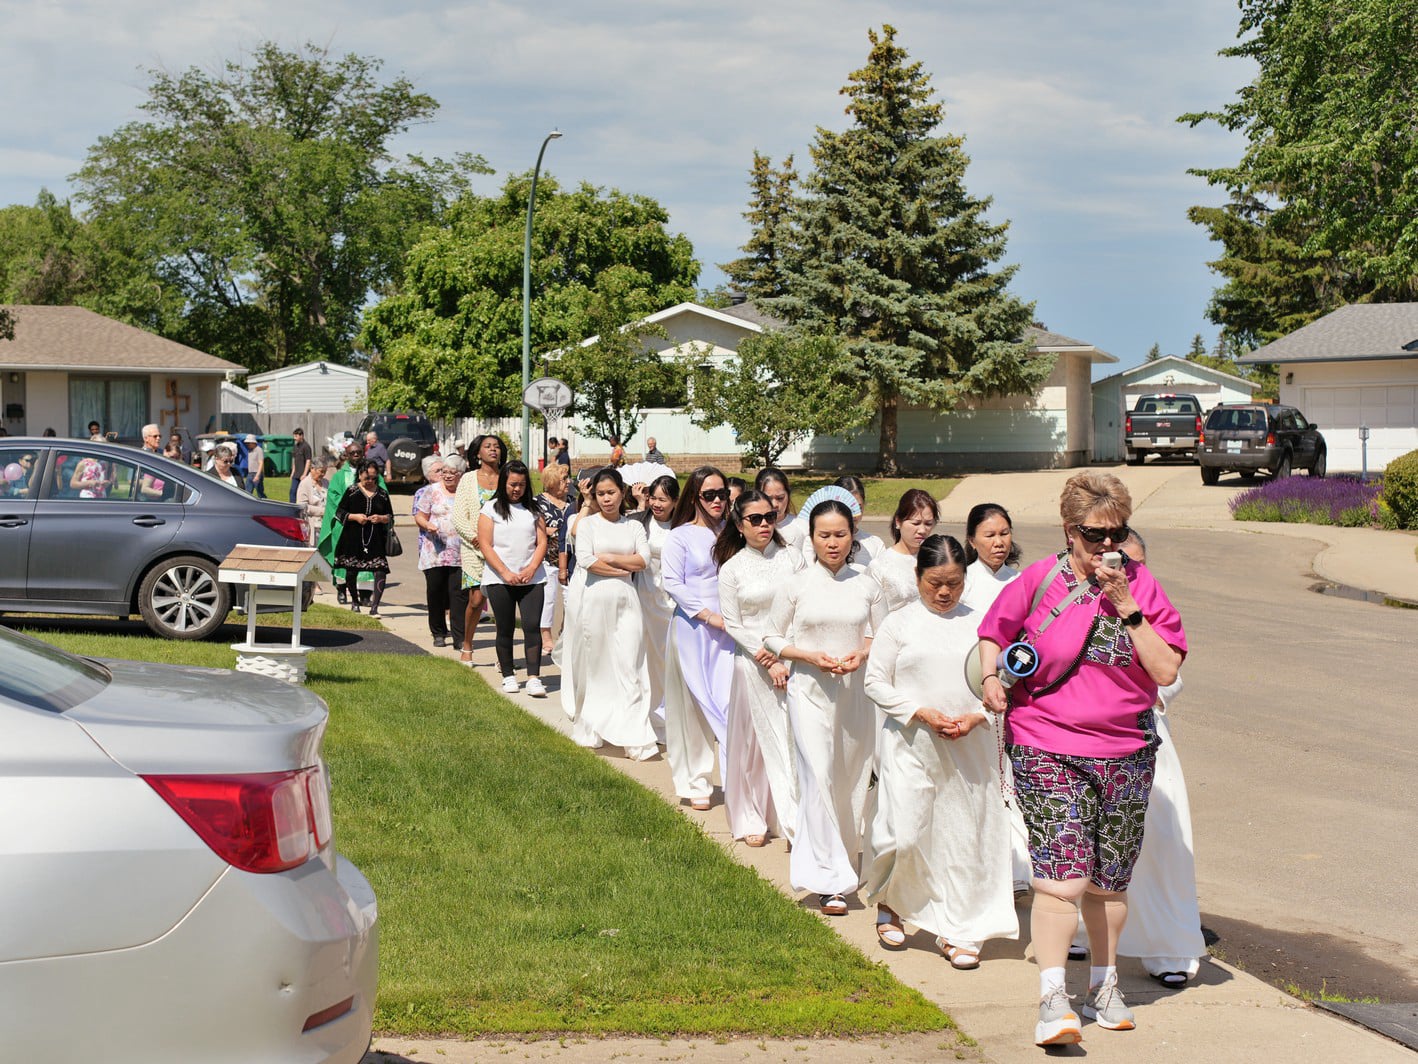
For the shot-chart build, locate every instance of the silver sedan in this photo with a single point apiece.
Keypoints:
(168, 874)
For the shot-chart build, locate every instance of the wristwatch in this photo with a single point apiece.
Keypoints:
(1133, 619)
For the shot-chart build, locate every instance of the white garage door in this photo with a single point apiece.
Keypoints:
(1390, 411)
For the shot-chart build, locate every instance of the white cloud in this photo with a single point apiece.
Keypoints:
(1068, 110)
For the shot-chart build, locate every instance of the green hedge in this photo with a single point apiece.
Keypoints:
(1400, 493)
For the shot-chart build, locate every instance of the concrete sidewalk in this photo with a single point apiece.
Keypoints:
(1224, 1015)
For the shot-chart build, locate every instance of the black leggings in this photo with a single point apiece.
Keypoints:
(505, 600)
(352, 585)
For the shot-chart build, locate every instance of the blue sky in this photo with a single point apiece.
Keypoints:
(1068, 110)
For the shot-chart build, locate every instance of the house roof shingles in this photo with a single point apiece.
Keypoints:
(77, 339)
(1360, 332)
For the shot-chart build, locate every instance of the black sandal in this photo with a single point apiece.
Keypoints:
(1173, 980)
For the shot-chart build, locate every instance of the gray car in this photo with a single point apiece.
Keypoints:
(171, 888)
(98, 528)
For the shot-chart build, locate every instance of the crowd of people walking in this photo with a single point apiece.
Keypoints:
(825, 677)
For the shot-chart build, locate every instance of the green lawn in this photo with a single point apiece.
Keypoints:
(525, 886)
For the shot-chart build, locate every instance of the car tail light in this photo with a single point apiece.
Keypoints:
(317, 786)
(435, 447)
(261, 822)
(1198, 426)
(1127, 425)
(1270, 439)
(292, 528)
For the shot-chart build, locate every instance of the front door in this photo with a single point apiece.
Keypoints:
(12, 394)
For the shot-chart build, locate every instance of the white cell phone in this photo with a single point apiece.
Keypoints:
(1113, 559)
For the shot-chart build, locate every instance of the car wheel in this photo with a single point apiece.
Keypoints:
(1210, 475)
(1283, 469)
(1321, 465)
(181, 598)
(1137, 459)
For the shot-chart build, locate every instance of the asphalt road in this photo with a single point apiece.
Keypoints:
(1297, 734)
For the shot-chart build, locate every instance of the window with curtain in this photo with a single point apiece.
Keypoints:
(118, 404)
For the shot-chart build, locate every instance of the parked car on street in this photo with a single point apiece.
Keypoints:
(99, 528)
(172, 890)
(408, 437)
(1165, 423)
(1249, 437)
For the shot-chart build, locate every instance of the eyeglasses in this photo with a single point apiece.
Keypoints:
(758, 519)
(721, 494)
(1098, 535)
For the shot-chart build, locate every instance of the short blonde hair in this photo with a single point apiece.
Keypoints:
(553, 476)
(1088, 493)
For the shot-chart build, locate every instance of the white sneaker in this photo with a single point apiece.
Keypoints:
(535, 687)
(1058, 1024)
(509, 685)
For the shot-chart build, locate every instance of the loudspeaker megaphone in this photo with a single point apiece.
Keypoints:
(1018, 661)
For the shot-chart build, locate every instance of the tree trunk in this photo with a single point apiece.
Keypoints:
(886, 449)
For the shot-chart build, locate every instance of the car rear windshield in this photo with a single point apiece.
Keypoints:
(1181, 404)
(44, 677)
(389, 429)
(1236, 420)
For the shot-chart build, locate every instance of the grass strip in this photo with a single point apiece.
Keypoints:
(527, 887)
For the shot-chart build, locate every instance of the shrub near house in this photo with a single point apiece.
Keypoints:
(1342, 500)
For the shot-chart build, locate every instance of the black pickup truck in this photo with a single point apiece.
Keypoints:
(1165, 423)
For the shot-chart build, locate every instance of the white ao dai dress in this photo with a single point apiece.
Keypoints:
(896, 573)
(1164, 919)
(656, 608)
(833, 722)
(982, 587)
(612, 682)
(761, 795)
(937, 847)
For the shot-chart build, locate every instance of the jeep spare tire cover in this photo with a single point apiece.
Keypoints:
(404, 456)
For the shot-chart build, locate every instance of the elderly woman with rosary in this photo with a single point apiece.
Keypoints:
(1081, 737)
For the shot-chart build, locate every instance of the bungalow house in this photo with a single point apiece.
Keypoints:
(1355, 367)
(1114, 396)
(67, 366)
(1049, 429)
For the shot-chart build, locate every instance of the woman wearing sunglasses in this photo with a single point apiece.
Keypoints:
(753, 564)
(1081, 737)
(699, 658)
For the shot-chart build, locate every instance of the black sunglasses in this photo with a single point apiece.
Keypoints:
(1098, 535)
(758, 519)
(722, 494)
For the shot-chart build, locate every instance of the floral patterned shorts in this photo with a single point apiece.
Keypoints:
(1085, 814)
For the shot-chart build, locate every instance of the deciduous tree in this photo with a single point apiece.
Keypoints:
(1321, 208)
(450, 340)
(779, 389)
(892, 254)
(267, 196)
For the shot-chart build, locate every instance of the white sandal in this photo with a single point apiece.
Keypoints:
(889, 931)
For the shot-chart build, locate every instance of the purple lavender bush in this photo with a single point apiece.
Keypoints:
(1337, 500)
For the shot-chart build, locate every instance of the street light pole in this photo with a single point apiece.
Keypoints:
(527, 301)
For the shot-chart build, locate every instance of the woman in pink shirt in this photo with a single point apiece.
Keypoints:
(1081, 735)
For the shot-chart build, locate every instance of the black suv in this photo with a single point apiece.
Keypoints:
(1249, 437)
(408, 437)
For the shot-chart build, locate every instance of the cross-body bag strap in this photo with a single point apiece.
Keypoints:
(1064, 603)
